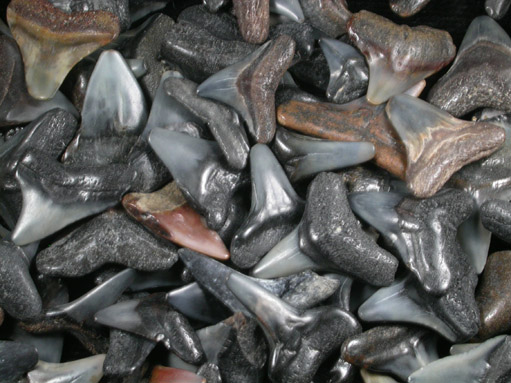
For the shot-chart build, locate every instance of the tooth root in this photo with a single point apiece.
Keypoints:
(166, 213)
(497, 8)
(407, 8)
(434, 140)
(484, 29)
(249, 86)
(163, 374)
(53, 41)
(98, 298)
(384, 43)
(274, 211)
(253, 19)
(137, 66)
(49, 346)
(288, 8)
(121, 315)
(87, 370)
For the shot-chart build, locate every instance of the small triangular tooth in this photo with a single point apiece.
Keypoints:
(87, 370)
(484, 28)
(289, 8)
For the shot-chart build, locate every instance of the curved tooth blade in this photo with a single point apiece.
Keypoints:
(288, 8)
(87, 370)
(475, 240)
(497, 8)
(484, 28)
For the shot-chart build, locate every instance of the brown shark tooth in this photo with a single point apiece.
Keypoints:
(166, 213)
(437, 144)
(356, 121)
(253, 19)
(398, 56)
(53, 41)
(407, 8)
(329, 16)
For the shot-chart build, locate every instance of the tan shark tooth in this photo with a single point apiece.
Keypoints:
(53, 41)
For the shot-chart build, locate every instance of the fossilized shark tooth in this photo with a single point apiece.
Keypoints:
(17, 360)
(397, 350)
(398, 56)
(222, 24)
(152, 318)
(161, 374)
(249, 86)
(253, 19)
(223, 122)
(166, 213)
(438, 144)
(274, 211)
(330, 16)
(105, 116)
(304, 156)
(53, 41)
(212, 186)
(485, 363)
(497, 9)
(479, 77)
(87, 370)
(299, 341)
(119, 239)
(289, 8)
(348, 71)
(407, 8)
(349, 250)
(104, 295)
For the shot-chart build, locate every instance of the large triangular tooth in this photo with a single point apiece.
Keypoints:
(475, 239)
(87, 370)
(289, 8)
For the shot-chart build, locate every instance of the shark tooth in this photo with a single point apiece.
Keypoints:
(354, 122)
(104, 295)
(438, 144)
(275, 209)
(478, 77)
(329, 16)
(496, 217)
(17, 359)
(398, 56)
(105, 116)
(481, 364)
(152, 318)
(166, 213)
(492, 296)
(304, 157)
(249, 86)
(497, 9)
(289, 8)
(253, 19)
(119, 239)
(87, 370)
(397, 350)
(349, 249)
(348, 71)
(161, 374)
(53, 41)
(407, 8)
(285, 259)
(299, 341)
(212, 186)
(223, 122)
(371, 377)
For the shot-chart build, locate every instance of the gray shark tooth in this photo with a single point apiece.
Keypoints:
(138, 67)
(274, 211)
(212, 186)
(284, 259)
(476, 365)
(152, 318)
(104, 116)
(398, 56)
(331, 235)
(305, 156)
(407, 8)
(320, 331)
(101, 296)
(249, 86)
(253, 19)
(330, 16)
(17, 359)
(19, 296)
(434, 142)
(476, 79)
(191, 300)
(119, 239)
(221, 120)
(496, 217)
(289, 8)
(53, 41)
(397, 350)
(348, 71)
(497, 8)
(87, 370)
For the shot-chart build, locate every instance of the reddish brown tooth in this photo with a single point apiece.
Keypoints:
(166, 213)
(356, 121)
(163, 374)
(253, 19)
(53, 41)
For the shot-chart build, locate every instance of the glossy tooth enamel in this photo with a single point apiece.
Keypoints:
(288, 8)
(87, 370)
